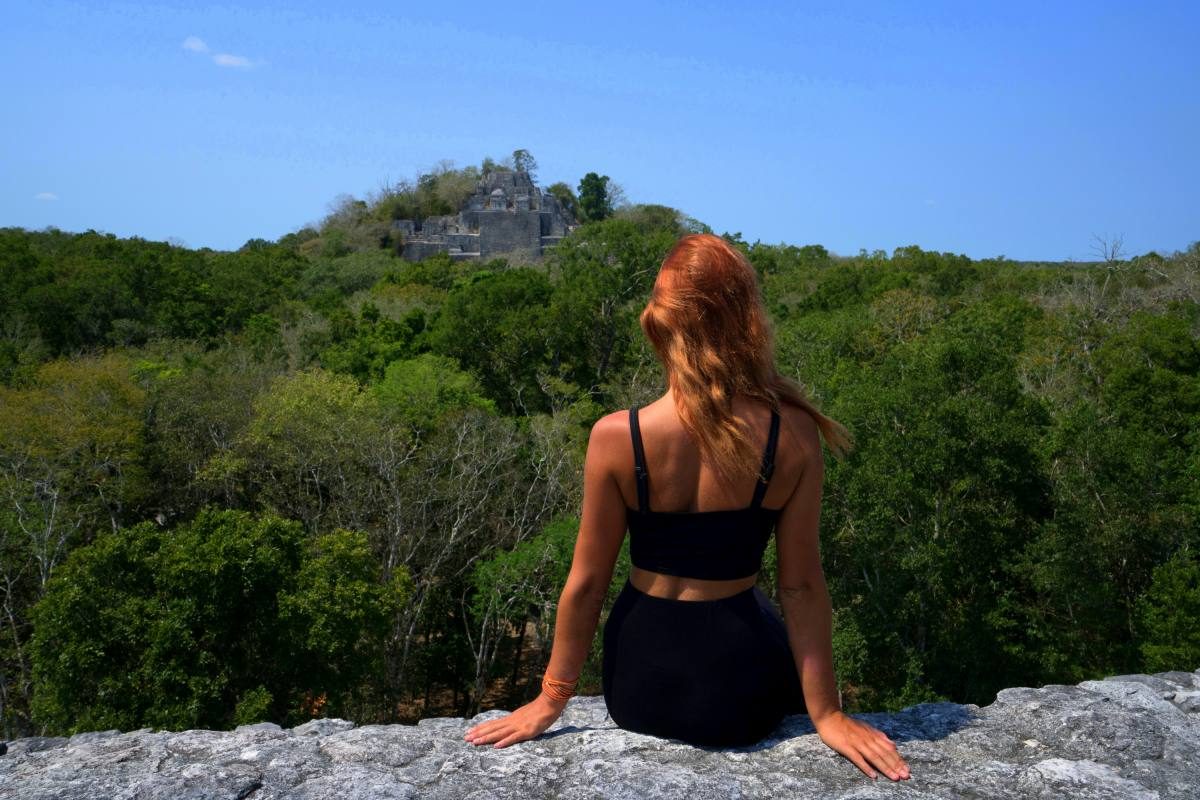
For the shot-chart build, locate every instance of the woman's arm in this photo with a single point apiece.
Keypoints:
(601, 531)
(808, 615)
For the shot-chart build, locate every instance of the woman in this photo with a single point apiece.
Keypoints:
(692, 648)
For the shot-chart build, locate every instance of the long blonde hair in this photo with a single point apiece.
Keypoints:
(707, 322)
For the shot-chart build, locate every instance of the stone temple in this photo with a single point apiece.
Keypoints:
(506, 215)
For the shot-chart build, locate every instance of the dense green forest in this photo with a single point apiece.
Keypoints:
(308, 478)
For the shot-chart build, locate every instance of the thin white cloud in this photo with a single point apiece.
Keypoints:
(230, 60)
(195, 44)
(45, 196)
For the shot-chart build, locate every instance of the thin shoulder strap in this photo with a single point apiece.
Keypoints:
(639, 461)
(768, 462)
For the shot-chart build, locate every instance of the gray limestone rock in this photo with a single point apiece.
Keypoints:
(1127, 736)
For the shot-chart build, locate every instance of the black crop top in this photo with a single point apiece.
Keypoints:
(713, 545)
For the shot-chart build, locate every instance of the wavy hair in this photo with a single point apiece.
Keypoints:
(707, 322)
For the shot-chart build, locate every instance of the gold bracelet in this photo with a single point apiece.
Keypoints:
(556, 689)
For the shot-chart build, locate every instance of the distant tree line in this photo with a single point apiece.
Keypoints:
(293, 481)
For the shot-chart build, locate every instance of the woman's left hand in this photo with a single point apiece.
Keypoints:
(864, 745)
(526, 722)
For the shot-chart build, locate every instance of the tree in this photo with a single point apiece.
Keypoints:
(420, 390)
(345, 211)
(942, 488)
(495, 327)
(227, 619)
(650, 217)
(510, 585)
(616, 195)
(319, 450)
(199, 403)
(1109, 249)
(605, 270)
(1120, 461)
(515, 587)
(492, 165)
(70, 446)
(523, 161)
(1168, 612)
(594, 201)
(364, 347)
(566, 197)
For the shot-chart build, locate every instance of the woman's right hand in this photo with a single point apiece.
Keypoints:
(862, 744)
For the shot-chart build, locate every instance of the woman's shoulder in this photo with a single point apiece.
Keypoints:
(611, 434)
(800, 427)
(610, 427)
(610, 445)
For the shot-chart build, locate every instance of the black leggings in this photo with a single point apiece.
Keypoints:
(707, 672)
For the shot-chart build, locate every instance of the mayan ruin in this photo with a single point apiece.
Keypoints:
(507, 215)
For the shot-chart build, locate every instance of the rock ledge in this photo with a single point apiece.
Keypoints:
(1127, 736)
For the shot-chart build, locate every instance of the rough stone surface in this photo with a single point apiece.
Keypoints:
(1128, 736)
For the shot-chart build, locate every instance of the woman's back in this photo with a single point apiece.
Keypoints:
(685, 493)
(684, 484)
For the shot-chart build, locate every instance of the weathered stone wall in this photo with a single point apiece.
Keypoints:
(1130, 736)
(554, 218)
(510, 232)
(417, 250)
(513, 184)
(467, 242)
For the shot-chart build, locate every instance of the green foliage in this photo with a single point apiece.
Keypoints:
(1169, 615)
(253, 706)
(649, 218)
(363, 347)
(1087, 565)
(70, 454)
(197, 403)
(924, 515)
(594, 201)
(264, 334)
(605, 272)
(523, 161)
(338, 608)
(1118, 457)
(566, 197)
(293, 241)
(532, 574)
(318, 446)
(438, 270)
(335, 243)
(89, 290)
(1149, 374)
(852, 284)
(526, 581)
(364, 226)
(421, 390)
(788, 259)
(252, 281)
(221, 620)
(494, 326)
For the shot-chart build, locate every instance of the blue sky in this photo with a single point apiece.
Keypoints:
(987, 129)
